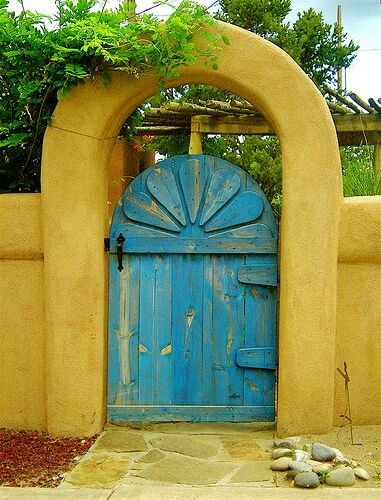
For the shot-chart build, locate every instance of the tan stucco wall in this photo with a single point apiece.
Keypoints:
(358, 335)
(22, 332)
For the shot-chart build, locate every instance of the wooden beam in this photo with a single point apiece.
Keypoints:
(361, 129)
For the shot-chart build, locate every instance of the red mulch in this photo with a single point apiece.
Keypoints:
(34, 459)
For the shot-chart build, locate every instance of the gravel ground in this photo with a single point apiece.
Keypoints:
(37, 460)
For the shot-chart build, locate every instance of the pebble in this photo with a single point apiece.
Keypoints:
(286, 444)
(322, 468)
(313, 462)
(361, 473)
(291, 474)
(301, 456)
(300, 466)
(322, 453)
(341, 477)
(281, 452)
(307, 480)
(281, 464)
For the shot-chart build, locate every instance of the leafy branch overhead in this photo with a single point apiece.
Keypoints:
(42, 59)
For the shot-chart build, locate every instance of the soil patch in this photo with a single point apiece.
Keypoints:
(37, 460)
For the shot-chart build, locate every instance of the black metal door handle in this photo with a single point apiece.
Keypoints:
(119, 250)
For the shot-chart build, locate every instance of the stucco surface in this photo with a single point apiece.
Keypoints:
(358, 341)
(22, 353)
(360, 230)
(20, 226)
(77, 150)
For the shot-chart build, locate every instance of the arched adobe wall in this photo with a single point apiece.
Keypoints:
(76, 155)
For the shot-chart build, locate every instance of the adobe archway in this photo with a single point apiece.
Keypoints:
(77, 148)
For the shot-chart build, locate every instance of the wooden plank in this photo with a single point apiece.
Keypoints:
(223, 186)
(247, 125)
(228, 330)
(261, 313)
(141, 208)
(155, 335)
(256, 357)
(193, 179)
(260, 274)
(197, 245)
(187, 303)
(113, 327)
(191, 413)
(162, 185)
(246, 207)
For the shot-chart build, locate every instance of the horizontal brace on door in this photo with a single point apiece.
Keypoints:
(197, 245)
(256, 357)
(259, 274)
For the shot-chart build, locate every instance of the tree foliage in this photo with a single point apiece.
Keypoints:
(42, 59)
(319, 48)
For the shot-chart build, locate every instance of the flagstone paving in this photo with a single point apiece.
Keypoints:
(177, 454)
(184, 455)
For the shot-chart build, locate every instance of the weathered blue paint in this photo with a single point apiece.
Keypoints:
(192, 315)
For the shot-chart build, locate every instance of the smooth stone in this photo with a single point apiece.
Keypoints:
(301, 456)
(281, 452)
(322, 453)
(252, 472)
(314, 463)
(361, 473)
(300, 466)
(193, 446)
(307, 480)
(286, 444)
(281, 464)
(179, 469)
(341, 477)
(293, 441)
(322, 468)
(291, 474)
(344, 462)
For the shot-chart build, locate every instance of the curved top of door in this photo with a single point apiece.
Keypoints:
(196, 196)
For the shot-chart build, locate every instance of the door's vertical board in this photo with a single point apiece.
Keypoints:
(261, 304)
(162, 355)
(209, 380)
(187, 328)
(129, 339)
(147, 341)
(228, 326)
(113, 328)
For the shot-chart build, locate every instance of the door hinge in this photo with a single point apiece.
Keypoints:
(107, 244)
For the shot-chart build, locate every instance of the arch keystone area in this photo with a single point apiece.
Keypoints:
(76, 154)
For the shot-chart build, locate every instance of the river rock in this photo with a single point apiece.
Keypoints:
(361, 473)
(300, 466)
(280, 452)
(301, 456)
(314, 463)
(281, 464)
(322, 468)
(291, 474)
(286, 444)
(322, 453)
(307, 480)
(341, 477)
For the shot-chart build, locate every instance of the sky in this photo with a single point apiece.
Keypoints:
(361, 21)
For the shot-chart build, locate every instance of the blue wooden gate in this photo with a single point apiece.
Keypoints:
(193, 296)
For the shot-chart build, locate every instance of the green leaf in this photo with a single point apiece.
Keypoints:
(226, 40)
